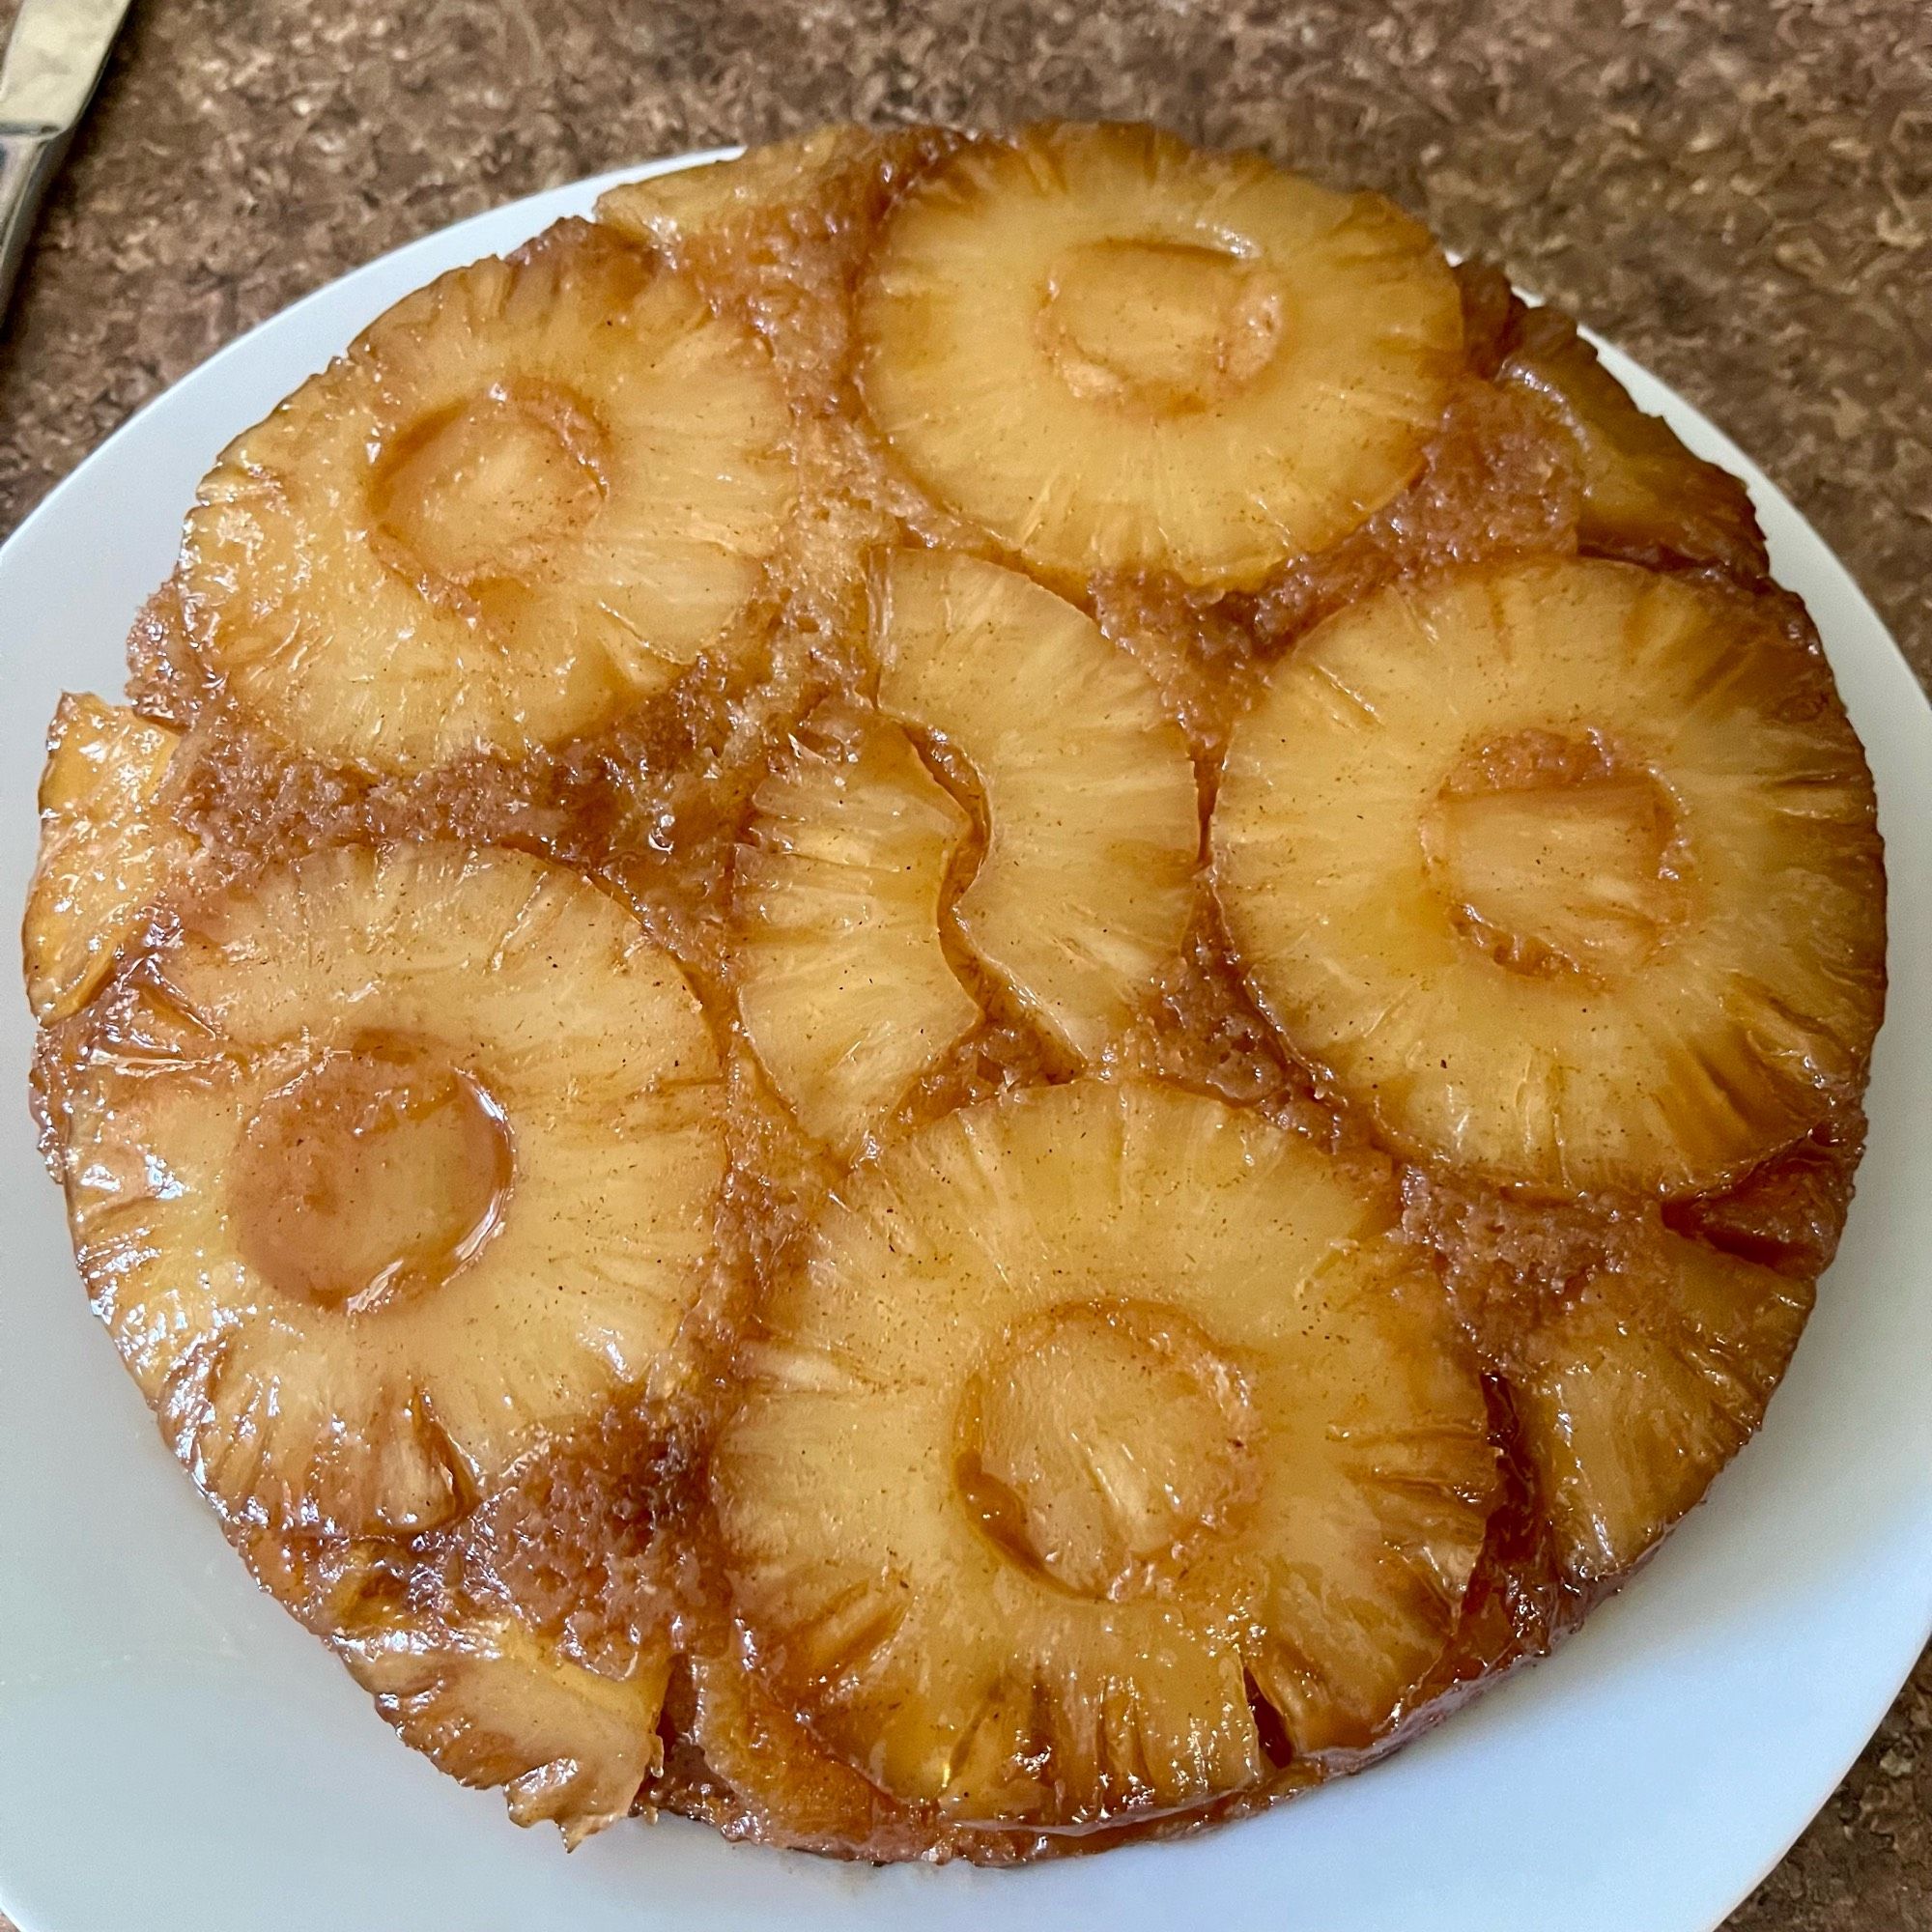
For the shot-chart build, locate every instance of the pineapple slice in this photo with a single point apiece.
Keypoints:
(759, 1773)
(843, 987)
(1100, 1417)
(527, 495)
(753, 1767)
(1643, 1387)
(106, 848)
(1645, 496)
(1568, 871)
(492, 1704)
(1094, 833)
(539, 1659)
(387, 1166)
(1115, 353)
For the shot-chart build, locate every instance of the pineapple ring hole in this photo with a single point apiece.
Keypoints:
(1554, 852)
(1165, 326)
(485, 490)
(1102, 1444)
(372, 1176)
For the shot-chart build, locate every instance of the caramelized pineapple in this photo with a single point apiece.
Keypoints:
(754, 1767)
(761, 1775)
(844, 985)
(492, 1705)
(106, 848)
(1569, 873)
(1645, 496)
(1093, 827)
(387, 1166)
(1097, 1410)
(1115, 353)
(777, 238)
(669, 210)
(530, 1648)
(527, 496)
(527, 1646)
(1643, 1385)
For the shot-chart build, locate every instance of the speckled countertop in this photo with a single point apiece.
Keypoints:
(1738, 191)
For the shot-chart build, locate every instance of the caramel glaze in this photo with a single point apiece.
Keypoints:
(653, 808)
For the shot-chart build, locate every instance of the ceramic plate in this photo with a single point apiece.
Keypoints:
(176, 1755)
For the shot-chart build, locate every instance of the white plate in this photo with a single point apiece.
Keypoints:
(176, 1755)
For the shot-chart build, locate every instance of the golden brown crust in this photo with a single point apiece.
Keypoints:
(603, 1549)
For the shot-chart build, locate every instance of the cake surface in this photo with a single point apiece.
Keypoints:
(959, 997)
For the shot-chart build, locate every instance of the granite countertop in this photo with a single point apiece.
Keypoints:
(1738, 191)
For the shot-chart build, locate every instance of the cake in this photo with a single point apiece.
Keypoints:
(958, 997)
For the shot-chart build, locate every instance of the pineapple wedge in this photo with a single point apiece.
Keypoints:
(387, 1167)
(1094, 829)
(1568, 871)
(1645, 496)
(527, 496)
(766, 1777)
(1643, 1385)
(1115, 353)
(491, 1704)
(535, 1650)
(843, 987)
(775, 182)
(106, 848)
(1100, 1417)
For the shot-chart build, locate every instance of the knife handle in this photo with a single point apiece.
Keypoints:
(28, 160)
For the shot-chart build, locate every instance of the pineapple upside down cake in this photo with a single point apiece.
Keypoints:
(955, 997)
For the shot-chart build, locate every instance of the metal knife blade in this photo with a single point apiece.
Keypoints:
(54, 56)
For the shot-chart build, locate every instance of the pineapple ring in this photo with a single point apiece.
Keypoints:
(1095, 1408)
(1094, 833)
(843, 987)
(526, 498)
(1566, 871)
(349, 1126)
(1115, 353)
